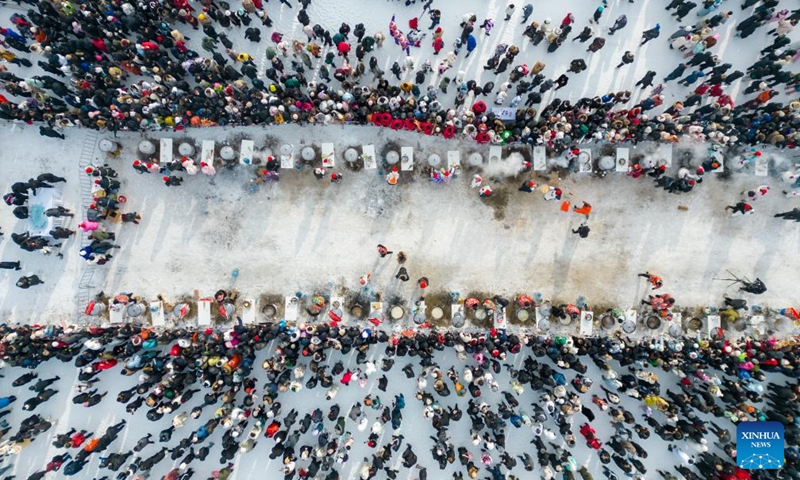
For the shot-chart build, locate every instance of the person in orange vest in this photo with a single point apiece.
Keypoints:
(655, 280)
(91, 444)
(585, 209)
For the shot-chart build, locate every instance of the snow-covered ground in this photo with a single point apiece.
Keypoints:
(415, 429)
(312, 236)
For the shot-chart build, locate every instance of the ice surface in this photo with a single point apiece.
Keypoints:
(299, 234)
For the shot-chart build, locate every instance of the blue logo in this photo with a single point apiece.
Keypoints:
(759, 445)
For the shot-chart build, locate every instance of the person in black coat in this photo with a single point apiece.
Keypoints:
(48, 131)
(21, 212)
(647, 80)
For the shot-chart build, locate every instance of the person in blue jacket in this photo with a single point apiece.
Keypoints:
(471, 44)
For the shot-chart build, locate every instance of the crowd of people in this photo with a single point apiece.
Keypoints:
(128, 66)
(224, 393)
(105, 206)
(18, 198)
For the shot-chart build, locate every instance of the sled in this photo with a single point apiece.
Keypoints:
(457, 316)
(287, 156)
(368, 153)
(291, 308)
(495, 155)
(623, 160)
(539, 158)
(499, 318)
(116, 312)
(406, 159)
(157, 314)
(720, 158)
(249, 308)
(585, 160)
(328, 159)
(453, 160)
(165, 151)
(246, 152)
(757, 325)
(204, 312)
(713, 322)
(587, 323)
(376, 316)
(762, 166)
(675, 326)
(664, 152)
(207, 152)
(631, 315)
(113, 216)
(336, 311)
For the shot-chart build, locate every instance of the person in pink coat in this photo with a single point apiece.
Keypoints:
(88, 225)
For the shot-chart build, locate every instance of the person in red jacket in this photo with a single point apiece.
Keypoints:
(438, 45)
(55, 464)
(78, 439)
(273, 429)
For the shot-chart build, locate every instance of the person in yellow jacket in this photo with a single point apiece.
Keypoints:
(11, 58)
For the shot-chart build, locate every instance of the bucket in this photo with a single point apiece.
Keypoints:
(356, 311)
(397, 313)
(480, 314)
(523, 315)
(437, 313)
(270, 311)
(607, 321)
(653, 322)
(695, 324)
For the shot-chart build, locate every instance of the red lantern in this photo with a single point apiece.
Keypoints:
(427, 128)
(410, 124)
(377, 119)
(397, 124)
(386, 119)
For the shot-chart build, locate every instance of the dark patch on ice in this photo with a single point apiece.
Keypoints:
(498, 201)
